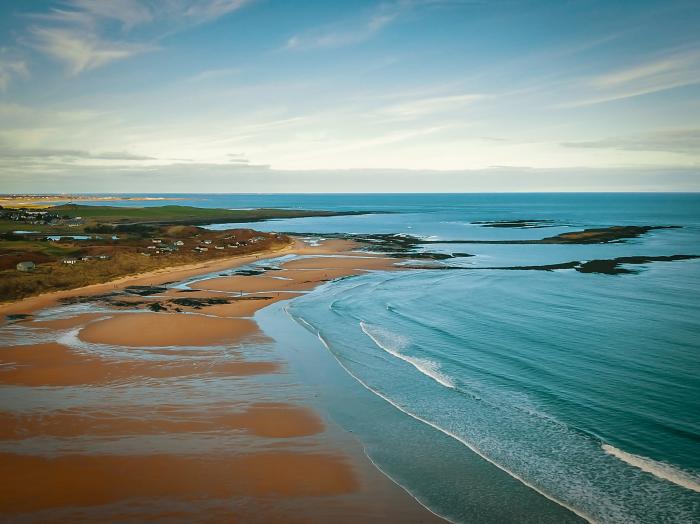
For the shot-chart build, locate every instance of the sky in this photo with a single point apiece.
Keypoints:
(356, 96)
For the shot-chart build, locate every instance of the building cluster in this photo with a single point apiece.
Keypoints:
(159, 246)
(29, 216)
(205, 245)
(28, 265)
(84, 258)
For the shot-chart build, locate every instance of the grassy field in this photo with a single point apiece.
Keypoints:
(100, 223)
(129, 239)
(181, 214)
(119, 241)
(93, 216)
(128, 256)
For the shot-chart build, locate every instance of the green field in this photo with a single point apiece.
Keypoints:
(180, 214)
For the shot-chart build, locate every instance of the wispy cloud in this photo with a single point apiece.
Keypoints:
(367, 26)
(212, 178)
(356, 31)
(81, 34)
(342, 36)
(432, 105)
(686, 141)
(204, 11)
(133, 13)
(237, 158)
(672, 70)
(128, 13)
(11, 68)
(24, 116)
(82, 52)
(68, 154)
(213, 74)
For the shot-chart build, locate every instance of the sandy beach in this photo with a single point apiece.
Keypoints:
(182, 408)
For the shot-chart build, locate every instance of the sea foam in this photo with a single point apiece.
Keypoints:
(445, 431)
(392, 343)
(658, 469)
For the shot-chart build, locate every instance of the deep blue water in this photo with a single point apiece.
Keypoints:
(584, 387)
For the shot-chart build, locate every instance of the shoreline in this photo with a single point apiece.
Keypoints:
(155, 277)
(191, 342)
(41, 201)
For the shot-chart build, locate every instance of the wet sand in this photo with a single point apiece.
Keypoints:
(256, 284)
(67, 323)
(341, 262)
(276, 420)
(297, 275)
(180, 416)
(247, 306)
(57, 365)
(86, 480)
(164, 329)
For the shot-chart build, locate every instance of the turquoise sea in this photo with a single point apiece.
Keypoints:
(496, 395)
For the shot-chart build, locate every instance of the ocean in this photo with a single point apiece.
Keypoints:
(511, 395)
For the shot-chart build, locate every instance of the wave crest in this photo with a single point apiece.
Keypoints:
(658, 469)
(429, 368)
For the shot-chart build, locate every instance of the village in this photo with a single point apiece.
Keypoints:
(71, 245)
(31, 262)
(198, 243)
(31, 216)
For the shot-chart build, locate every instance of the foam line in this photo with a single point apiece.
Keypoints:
(452, 435)
(425, 366)
(658, 469)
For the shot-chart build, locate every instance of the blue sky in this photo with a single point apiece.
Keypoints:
(398, 95)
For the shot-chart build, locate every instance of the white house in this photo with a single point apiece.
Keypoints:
(26, 266)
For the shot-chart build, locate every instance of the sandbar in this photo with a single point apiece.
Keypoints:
(271, 420)
(86, 480)
(54, 364)
(165, 329)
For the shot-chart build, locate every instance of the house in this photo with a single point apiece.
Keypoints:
(207, 241)
(179, 243)
(104, 257)
(26, 266)
(156, 240)
(70, 260)
(86, 258)
(218, 247)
